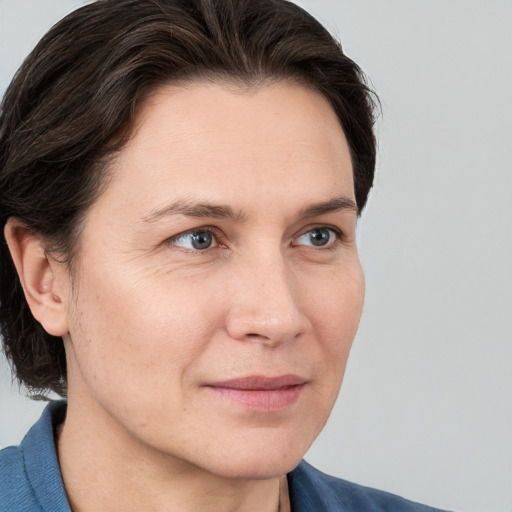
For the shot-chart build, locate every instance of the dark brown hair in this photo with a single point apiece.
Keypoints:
(73, 102)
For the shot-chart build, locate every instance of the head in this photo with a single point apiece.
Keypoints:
(163, 163)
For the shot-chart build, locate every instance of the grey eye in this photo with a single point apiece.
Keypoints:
(202, 240)
(318, 237)
(198, 240)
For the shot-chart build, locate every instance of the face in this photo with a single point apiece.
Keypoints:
(219, 288)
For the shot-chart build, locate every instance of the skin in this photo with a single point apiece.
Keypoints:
(149, 321)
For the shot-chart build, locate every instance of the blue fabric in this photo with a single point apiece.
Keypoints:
(30, 480)
(314, 491)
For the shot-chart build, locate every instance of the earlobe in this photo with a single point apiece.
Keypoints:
(37, 272)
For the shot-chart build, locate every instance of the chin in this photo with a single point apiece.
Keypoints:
(261, 459)
(256, 468)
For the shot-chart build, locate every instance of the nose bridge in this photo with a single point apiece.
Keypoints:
(264, 297)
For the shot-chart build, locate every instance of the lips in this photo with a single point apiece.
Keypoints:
(258, 392)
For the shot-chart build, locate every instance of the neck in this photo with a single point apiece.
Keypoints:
(104, 469)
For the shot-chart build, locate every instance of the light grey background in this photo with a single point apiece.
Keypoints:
(425, 409)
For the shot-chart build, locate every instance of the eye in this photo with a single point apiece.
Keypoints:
(198, 240)
(318, 237)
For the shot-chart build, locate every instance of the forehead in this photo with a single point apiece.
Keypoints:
(205, 140)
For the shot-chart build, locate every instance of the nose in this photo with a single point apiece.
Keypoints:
(265, 302)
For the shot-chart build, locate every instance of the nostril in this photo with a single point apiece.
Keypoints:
(255, 335)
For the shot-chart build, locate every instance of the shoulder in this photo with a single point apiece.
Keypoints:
(312, 490)
(29, 473)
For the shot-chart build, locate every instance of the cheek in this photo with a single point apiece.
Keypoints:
(335, 312)
(337, 306)
(132, 337)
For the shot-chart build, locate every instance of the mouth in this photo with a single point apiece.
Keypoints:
(261, 393)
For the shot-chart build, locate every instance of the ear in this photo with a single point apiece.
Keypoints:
(43, 279)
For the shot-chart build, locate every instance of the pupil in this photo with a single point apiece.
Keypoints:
(201, 240)
(319, 236)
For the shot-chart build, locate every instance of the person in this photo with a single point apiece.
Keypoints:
(180, 182)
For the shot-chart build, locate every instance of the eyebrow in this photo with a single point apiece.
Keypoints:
(219, 211)
(331, 206)
(213, 211)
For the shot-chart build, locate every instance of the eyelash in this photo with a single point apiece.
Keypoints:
(214, 233)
